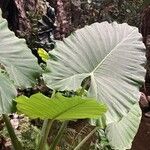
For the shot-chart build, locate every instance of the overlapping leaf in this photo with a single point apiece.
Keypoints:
(17, 58)
(120, 135)
(22, 67)
(7, 94)
(113, 56)
(60, 107)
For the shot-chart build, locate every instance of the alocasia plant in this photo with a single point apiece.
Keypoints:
(113, 56)
(60, 107)
(19, 69)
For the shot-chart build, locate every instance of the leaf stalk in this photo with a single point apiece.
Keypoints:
(15, 142)
(44, 134)
(85, 139)
(59, 135)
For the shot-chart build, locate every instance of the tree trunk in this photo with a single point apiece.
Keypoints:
(21, 14)
(145, 30)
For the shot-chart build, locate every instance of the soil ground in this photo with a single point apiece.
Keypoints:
(142, 139)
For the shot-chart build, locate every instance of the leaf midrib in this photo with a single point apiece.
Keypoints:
(92, 72)
(110, 53)
(63, 112)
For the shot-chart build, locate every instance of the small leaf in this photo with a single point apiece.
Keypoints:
(43, 54)
(60, 107)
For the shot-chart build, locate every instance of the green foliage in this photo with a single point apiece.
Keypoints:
(17, 60)
(43, 54)
(102, 142)
(27, 134)
(7, 94)
(19, 69)
(112, 55)
(60, 107)
(30, 138)
(121, 134)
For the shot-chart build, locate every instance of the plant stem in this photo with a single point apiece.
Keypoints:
(86, 138)
(59, 135)
(44, 134)
(15, 142)
(45, 131)
(84, 87)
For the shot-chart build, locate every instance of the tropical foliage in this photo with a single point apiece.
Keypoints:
(60, 107)
(19, 69)
(20, 65)
(112, 55)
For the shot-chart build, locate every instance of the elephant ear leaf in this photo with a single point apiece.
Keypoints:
(113, 56)
(17, 58)
(19, 63)
(60, 107)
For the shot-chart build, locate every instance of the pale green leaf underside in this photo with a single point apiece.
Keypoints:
(7, 94)
(17, 58)
(112, 55)
(59, 107)
(120, 134)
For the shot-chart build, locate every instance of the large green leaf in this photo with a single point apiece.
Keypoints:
(7, 94)
(17, 58)
(113, 56)
(60, 107)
